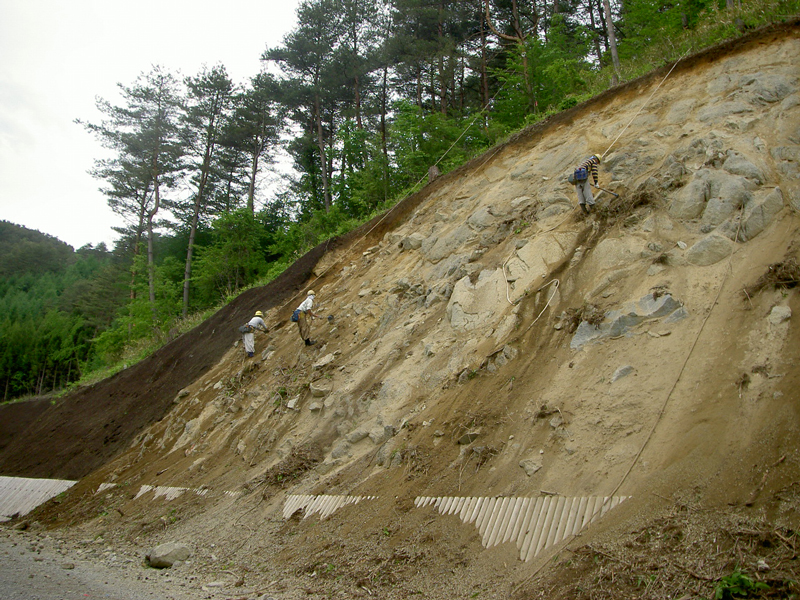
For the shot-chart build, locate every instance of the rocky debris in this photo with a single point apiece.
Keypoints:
(501, 357)
(166, 555)
(469, 437)
(530, 266)
(324, 361)
(320, 389)
(412, 242)
(531, 465)
(779, 314)
(619, 322)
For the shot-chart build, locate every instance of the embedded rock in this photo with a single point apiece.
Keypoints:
(709, 250)
(619, 322)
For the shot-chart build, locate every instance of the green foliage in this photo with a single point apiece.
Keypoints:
(420, 140)
(23, 250)
(46, 320)
(234, 260)
(737, 584)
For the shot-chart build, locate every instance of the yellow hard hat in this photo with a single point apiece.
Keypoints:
(311, 293)
(597, 156)
(259, 313)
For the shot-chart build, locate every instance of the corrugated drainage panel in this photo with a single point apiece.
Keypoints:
(324, 504)
(19, 496)
(170, 493)
(533, 524)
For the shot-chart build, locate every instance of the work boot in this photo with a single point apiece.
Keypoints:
(310, 342)
(250, 354)
(584, 209)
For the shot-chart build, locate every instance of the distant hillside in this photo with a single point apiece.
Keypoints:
(24, 250)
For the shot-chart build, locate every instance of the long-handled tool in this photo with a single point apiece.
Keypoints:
(607, 191)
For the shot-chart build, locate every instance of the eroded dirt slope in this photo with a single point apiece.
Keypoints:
(488, 340)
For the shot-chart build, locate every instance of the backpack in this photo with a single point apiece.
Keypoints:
(245, 329)
(580, 174)
(296, 316)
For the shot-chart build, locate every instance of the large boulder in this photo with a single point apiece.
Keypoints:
(709, 250)
(436, 248)
(739, 165)
(762, 88)
(760, 215)
(529, 268)
(728, 194)
(474, 305)
(691, 200)
(166, 555)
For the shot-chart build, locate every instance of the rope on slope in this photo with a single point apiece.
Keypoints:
(645, 104)
(563, 544)
(388, 212)
(728, 271)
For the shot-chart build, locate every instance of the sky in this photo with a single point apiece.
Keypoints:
(58, 56)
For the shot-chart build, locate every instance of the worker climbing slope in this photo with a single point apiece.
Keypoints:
(582, 186)
(248, 332)
(301, 315)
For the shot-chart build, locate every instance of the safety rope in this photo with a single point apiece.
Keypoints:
(728, 271)
(389, 212)
(645, 104)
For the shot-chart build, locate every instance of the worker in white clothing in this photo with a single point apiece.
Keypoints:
(303, 312)
(248, 333)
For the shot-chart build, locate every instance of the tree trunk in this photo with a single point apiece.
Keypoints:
(612, 40)
(594, 28)
(419, 86)
(251, 188)
(384, 141)
(484, 74)
(359, 124)
(198, 205)
(151, 265)
(323, 161)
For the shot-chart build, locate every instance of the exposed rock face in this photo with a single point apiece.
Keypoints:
(709, 250)
(446, 340)
(620, 322)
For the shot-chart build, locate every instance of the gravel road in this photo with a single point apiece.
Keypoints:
(38, 566)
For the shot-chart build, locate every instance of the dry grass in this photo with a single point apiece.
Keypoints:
(689, 553)
(301, 459)
(781, 275)
(590, 313)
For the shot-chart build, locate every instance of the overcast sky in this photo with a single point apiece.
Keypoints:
(57, 56)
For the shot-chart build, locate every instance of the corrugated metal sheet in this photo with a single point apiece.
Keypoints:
(533, 524)
(19, 496)
(170, 493)
(323, 504)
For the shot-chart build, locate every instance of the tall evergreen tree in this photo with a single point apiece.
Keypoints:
(209, 100)
(146, 136)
